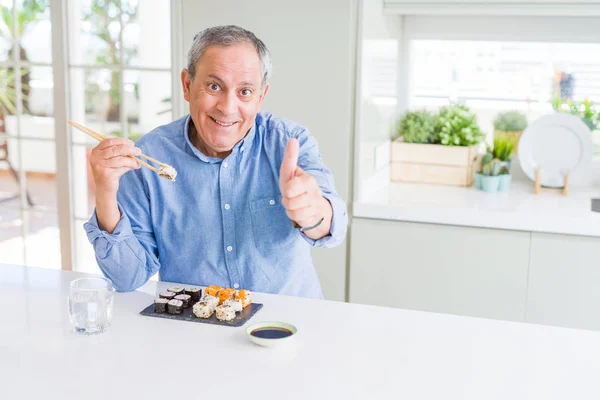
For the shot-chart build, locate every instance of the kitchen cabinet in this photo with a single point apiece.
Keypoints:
(448, 269)
(543, 278)
(564, 281)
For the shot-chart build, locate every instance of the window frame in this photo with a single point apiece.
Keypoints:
(61, 68)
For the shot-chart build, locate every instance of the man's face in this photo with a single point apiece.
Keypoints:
(225, 95)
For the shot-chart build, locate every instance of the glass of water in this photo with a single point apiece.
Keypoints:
(91, 304)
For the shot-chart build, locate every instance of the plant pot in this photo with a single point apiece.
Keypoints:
(489, 183)
(478, 177)
(433, 163)
(504, 182)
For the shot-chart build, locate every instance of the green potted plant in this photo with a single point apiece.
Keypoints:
(440, 149)
(457, 126)
(8, 96)
(494, 174)
(586, 110)
(510, 124)
(416, 126)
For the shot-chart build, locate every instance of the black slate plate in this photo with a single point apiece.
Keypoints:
(187, 315)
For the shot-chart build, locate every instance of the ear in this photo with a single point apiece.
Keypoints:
(263, 94)
(186, 81)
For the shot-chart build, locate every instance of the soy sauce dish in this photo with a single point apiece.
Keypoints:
(271, 334)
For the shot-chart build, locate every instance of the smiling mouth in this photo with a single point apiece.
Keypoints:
(223, 123)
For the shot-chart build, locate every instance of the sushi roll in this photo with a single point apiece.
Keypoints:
(175, 306)
(196, 293)
(203, 309)
(210, 299)
(160, 305)
(212, 290)
(244, 296)
(186, 299)
(167, 295)
(176, 289)
(226, 294)
(225, 313)
(235, 304)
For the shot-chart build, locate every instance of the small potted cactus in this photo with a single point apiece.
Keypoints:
(494, 174)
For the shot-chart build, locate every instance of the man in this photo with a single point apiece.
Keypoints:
(251, 196)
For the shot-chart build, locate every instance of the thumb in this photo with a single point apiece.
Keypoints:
(290, 161)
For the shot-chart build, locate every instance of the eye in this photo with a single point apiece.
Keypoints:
(246, 92)
(213, 86)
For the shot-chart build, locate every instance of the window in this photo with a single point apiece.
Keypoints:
(493, 76)
(532, 64)
(120, 76)
(119, 79)
(29, 232)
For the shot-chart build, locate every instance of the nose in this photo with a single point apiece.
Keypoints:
(227, 103)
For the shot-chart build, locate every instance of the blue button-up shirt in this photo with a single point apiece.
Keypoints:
(222, 222)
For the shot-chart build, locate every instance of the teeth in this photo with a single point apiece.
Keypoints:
(222, 123)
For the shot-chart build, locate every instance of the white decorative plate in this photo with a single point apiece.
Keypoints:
(555, 144)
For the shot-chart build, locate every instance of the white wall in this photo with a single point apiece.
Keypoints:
(313, 48)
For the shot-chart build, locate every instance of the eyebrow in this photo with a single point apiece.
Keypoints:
(245, 83)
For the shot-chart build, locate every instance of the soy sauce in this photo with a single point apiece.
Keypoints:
(271, 332)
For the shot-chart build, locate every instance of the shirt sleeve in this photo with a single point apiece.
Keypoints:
(310, 160)
(129, 255)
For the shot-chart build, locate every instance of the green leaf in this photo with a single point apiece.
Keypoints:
(457, 126)
(416, 126)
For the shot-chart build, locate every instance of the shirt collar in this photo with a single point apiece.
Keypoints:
(241, 147)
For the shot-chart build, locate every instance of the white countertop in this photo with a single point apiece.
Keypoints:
(344, 351)
(518, 209)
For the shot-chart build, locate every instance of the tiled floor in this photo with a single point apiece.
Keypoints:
(42, 246)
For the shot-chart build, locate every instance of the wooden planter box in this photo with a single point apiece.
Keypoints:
(433, 163)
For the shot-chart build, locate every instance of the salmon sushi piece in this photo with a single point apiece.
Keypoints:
(244, 296)
(226, 294)
(212, 290)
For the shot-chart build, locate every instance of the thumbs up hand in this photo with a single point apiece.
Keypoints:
(301, 195)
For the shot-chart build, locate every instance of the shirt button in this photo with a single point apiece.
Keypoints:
(242, 148)
(236, 285)
(272, 202)
(229, 248)
(227, 206)
(224, 165)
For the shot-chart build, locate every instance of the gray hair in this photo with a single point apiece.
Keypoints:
(228, 35)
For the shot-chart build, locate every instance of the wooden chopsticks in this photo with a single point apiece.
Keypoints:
(100, 138)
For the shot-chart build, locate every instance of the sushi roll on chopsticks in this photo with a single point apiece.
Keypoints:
(195, 293)
(175, 306)
(244, 296)
(186, 299)
(225, 313)
(160, 305)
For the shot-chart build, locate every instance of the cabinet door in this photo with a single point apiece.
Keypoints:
(448, 269)
(564, 281)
